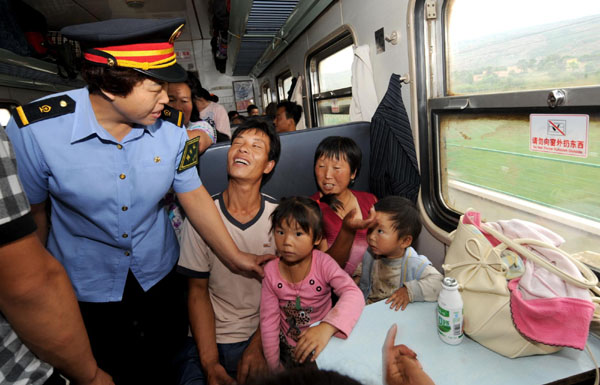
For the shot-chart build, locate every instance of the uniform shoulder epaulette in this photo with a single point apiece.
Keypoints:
(43, 109)
(190, 154)
(172, 115)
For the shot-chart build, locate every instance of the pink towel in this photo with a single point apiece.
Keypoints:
(558, 321)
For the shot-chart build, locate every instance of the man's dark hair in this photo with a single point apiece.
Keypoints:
(303, 210)
(403, 213)
(232, 114)
(271, 109)
(274, 143)
(116, 80)
(292, 110)
(251, 107)
(305, 376)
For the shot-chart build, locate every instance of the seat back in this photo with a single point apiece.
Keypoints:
(294, 173)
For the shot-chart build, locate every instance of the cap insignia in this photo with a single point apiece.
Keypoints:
(176, 34)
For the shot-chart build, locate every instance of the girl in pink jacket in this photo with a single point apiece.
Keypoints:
(296, 290)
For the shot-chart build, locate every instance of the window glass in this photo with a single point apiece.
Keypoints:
(486, 164)
(287, 84)
(335, 71)
(492, 47)
(4, 116)
(334, 111)
(266, 95)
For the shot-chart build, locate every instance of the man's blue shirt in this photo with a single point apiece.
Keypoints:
(106, 218)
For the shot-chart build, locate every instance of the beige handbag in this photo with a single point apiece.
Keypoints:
(477, 266)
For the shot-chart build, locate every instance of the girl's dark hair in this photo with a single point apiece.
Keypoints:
(403, 213)
(204, 94)
(339, 147)
(116, 80)
(303, 211)
(274, 143)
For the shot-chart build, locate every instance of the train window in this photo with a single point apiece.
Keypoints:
(487, 85)
(266, 94)
(284, 83)
(531, 48)
(330, 69)
(5, 109)
(4, 116)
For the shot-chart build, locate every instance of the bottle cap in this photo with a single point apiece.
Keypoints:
(449, 282)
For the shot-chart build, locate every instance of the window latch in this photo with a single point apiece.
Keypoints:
(556, 98)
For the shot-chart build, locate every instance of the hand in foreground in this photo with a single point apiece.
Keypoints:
(352, 223)
(252, 364)
(217, 375)
(399, 299)
(100, 378)
(313, 340)
(400, 364)
(250, 265)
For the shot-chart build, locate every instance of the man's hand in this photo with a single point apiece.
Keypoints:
(313, 340)
(217, 375)
(400, 364)
(399, 299)
(352, 223)
(252, 364)
(251, 265)
(101, 378)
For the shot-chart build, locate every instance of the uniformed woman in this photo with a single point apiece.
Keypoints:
(103, 157)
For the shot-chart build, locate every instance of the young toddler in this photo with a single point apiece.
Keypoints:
(395, 270)
(296, 289)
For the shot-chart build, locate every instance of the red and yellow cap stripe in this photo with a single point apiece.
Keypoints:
(143, 56)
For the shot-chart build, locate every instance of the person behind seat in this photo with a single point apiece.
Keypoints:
(104, 156)
(252, 110)
(213, 112)
(336, 165)
(36, 298)
(180, 98)
(223, 307)
(271, 109)
(296, 290)
(400, 274)
(287, 116)
(232, 115)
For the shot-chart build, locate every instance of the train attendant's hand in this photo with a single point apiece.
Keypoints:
(351, 223)
(313, 340)
(100, 378)
(399, 299)
(251, 265)
(400, 364)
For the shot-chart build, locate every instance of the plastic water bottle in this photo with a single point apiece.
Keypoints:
(450, 313)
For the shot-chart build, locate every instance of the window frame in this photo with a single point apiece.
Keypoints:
(332, 45)
(265, 94)
(279, 79)
(583, 99)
